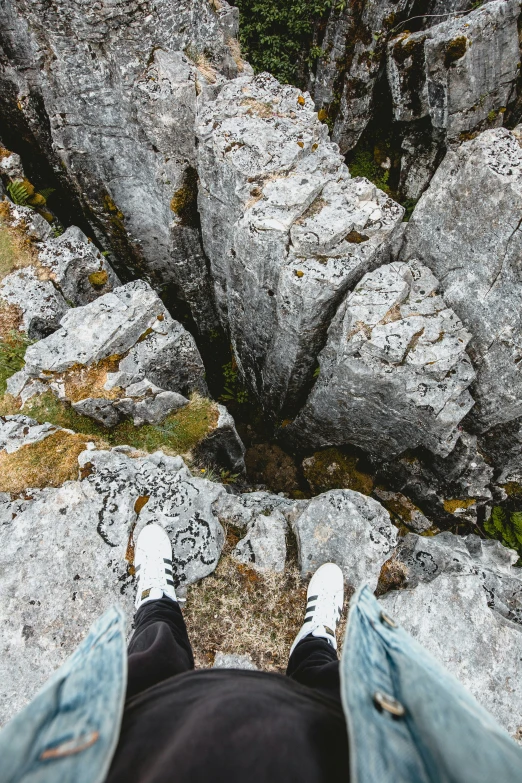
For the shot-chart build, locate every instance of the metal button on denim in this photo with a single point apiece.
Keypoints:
(385, 702)
(385, 618)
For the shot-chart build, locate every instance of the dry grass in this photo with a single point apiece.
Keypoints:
(11, 319)
(243, 611)
(235, 50)
(47, 463)
(83, 381)
(16, 249)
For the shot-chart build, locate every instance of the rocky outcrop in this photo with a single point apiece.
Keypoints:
(459, 72)
(121, 355)
(463, 602)
(394, 373)
(47, 275)
(106, 96)
(286, 230)
(466, 229)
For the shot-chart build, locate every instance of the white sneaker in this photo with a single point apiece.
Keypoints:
(153, 565)
(324, 605)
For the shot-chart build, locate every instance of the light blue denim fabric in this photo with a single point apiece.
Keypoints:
(444, 736)
(69, 732)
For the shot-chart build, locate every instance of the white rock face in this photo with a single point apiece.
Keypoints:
(233, 661)
(41, 305)
(394, 373)
(264, 546)
(286, 230)
(346, 528)
(77, 267)
(117, 118)
(148, 346)
(465, 606)
(459, 71)
(466, 228)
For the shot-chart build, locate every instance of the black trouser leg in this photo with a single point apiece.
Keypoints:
(314, 663)
(159, 648)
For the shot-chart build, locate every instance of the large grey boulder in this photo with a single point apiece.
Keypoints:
(394, 373)
(459, 72)
(41, 305)
(286, 230)
(114, 116)
(264, 546)
(121, 355)
(346, 528)
(464, 604)
(466, 229)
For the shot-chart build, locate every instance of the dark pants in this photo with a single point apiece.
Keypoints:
(160, 648)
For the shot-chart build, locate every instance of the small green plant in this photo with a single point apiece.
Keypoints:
(505, 526)
(57, 229)
(18, 192)
(233, 389)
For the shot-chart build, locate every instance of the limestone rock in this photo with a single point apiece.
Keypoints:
(41, 304)
(264, 546)
(108, 354)
(466, 229)
(464, 605)
(459, 72)
(122, 71)
(233, 661)
(77, 267)
(347, 528)
(394, 373)
(66, 553)
(223, 446)
(286, 230)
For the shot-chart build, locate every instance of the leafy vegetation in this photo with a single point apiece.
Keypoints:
(506, 526)
(279, 37)
(233, 389)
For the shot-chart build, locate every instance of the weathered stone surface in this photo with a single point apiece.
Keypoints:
(41, 305)
(458, 72)
(77, 267)
(354, 47)
(286, 230)
(464, 604)
(233, 661)
(394, 373)
(466, 228)
(264, 546)
(63, 551)
(132, 332)
(346, 528)
(223, 446)
(115, 115)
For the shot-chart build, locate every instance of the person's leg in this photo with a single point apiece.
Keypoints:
(314, 663)
(313, 658)
(160, 647)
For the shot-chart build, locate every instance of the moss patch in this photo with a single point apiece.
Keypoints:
(12, 352)
(506, 526)
(455, 50)
(456, 504)
(98, 279)
(331, 469)
(184, 201)
(47, 463)
(178, 433)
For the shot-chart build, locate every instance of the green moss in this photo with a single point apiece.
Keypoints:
(505, 526)
(178, 433)
(455, 50)
(12, 352)
(457, 504)
(184, 200)
(332, 469)
(98, 279)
